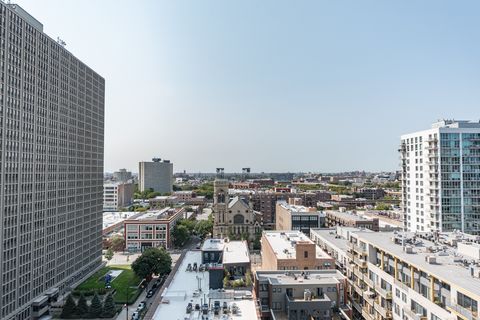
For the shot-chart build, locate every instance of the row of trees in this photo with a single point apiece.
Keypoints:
(185, 228)
(96, 309)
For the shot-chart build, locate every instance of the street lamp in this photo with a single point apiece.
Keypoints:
(126, 304)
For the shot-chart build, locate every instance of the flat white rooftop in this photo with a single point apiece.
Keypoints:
(185, 289)
(283, 243)
(236, 252)
(213, 245)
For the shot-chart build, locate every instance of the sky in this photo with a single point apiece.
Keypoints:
(277, 86)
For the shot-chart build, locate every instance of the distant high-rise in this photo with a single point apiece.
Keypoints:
(156, 175)
(122, 175)
(51, 173)
(441, 177)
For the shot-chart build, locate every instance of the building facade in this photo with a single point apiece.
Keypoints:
(117, 195)
(441, 177)
(292, 250)
(412, 276)
(297, 217)
(350, 219)
(51, 173)
(233, 218)
(122, 175)
(298, 295)
(151, 229)
(156, 175)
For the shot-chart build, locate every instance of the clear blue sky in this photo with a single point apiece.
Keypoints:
(272, 85)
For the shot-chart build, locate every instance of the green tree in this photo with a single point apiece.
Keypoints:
(82, 306)
(203, 228)
(96, 308)
(117, 243)
(152, 261)
(109, 309)
(109, 254)
(69, 309)
(248, 278)
(180, 235)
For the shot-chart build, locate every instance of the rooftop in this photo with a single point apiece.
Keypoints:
(163, 214)
(188, 286)
(213, 245)
(347, 215)
(297, 209)
(331, 236)
(451, 265)
(300, 277)
(236, 252)
(283, 243)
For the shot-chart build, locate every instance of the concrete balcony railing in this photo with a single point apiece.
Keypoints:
(412, 315)
(387, 294)
(369, 282)
(367, 315)
(358, 273)
(462, 311)
(383, 311)
(360, 262)
(357, 248)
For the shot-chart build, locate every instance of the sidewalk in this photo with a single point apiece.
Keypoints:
(132, 308)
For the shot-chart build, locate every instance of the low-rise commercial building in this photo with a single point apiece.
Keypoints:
(297, 217)
(292, 250)
(350, 219)
(316, 294)
(151, 229)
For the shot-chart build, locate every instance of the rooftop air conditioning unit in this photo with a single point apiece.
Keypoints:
(409, 249)
(431, 259)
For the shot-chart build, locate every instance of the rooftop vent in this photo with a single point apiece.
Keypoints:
(409, 249)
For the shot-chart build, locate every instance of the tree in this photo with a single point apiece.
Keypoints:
(180, 235)
(109, 254)
(82, 306)
(96, 308)
(109, 309)
(248, 278)
(69, 309)
(203, 228)
(152, 261)
(117, 243)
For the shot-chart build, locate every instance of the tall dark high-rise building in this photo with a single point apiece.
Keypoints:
(51, 173)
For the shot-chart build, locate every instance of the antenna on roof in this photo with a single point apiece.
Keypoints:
(220, 173)
(61, 42)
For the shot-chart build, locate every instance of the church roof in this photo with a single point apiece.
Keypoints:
(242, 201)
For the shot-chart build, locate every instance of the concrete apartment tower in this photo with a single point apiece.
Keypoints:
(441, 177)
(157, 175)
(51, 173)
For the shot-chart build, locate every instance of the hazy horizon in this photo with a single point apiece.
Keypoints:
(321, 86)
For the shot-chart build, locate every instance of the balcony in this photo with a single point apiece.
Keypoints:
(367, 315)
(401, 285)
(368, 282)
(358, 273)
(383, 310)
(462, 311)
(412, 315)
(360, 262)
(387, 294)
(368, 297)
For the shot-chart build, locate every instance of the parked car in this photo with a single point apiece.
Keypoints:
(216, 307)
(136, 316)
(189, 307)
(197, 307)
(205, 308)
(225, 306)
(150, 293)
(141, 306)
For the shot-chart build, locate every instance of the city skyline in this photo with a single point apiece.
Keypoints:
(319, 86)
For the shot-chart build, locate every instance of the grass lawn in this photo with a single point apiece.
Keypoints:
(126, 279)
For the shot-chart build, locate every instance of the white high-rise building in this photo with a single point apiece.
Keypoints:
(441, 177)
(156, 175)
(51, 172)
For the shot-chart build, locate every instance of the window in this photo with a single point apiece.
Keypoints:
(305, 254)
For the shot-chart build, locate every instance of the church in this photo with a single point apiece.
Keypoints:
(233, 217)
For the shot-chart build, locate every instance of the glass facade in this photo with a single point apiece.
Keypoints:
(460, 181)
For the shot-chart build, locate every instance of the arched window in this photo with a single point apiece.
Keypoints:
(238, 219)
